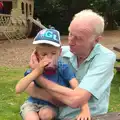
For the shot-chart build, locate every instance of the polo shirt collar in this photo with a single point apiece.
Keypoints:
(93, 53)
(73, 58)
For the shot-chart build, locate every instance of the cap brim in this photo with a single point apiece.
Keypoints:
(46, 42)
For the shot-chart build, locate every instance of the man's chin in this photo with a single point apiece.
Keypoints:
(72, 51)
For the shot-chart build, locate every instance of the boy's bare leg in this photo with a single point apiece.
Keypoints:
(32, 116)
(28, 111)
(47, 113)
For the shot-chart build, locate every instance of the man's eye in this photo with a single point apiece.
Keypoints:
(44, 54)
(53, 53)
(79, 38)
(70, 34)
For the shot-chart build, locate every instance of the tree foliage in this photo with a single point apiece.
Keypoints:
(59, 13)
(110, 9)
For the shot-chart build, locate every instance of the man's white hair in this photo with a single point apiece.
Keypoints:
(96, 20)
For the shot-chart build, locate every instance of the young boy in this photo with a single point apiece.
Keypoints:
(50, 66)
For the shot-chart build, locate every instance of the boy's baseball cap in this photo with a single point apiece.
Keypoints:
(48, 36)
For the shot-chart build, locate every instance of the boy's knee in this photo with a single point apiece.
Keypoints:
(31, 116)
(28, 111)
(47, 113)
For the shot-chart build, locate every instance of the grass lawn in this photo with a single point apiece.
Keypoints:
(10, 102)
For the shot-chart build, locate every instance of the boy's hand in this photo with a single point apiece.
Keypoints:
(84, 115)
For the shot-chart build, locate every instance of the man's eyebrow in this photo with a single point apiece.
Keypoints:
(53, 51)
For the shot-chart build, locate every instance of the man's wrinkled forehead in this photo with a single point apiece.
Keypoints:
(79, 26)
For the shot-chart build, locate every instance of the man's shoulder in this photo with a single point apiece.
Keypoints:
(104, 51)
(65, 52)
(104, 54)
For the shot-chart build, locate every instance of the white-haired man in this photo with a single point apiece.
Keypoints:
(92, 63)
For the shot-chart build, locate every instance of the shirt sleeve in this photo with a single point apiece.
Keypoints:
(99, 75)
(67, 73)
(28, 72)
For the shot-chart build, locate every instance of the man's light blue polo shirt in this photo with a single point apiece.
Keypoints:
(94, 75)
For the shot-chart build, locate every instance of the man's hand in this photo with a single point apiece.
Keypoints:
(34, 63)
(41, 93)
(84, 115)
(73, 98)
(44, 62)
(33, 60)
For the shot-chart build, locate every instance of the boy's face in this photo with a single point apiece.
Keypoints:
(50, 52)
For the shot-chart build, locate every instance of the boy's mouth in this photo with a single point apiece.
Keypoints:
(50, 70)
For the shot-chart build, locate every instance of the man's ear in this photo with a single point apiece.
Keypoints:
(60, 51)
(98, 39)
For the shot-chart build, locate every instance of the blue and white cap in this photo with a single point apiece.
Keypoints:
(48, 36)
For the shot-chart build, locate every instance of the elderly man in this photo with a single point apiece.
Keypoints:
(92, 63)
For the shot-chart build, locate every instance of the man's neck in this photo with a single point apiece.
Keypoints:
(81, 58)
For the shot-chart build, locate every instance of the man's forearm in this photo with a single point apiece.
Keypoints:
(73, 98)
(50, 96)
(41, 93)
(74, 102)
(55, 87)
(85, 107)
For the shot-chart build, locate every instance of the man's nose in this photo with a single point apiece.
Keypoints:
(71, 41)
(49, 56)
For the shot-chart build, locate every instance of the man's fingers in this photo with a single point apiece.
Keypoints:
(34, 58)
(89, 118)
(46, 60)
(86, 118)
(79, 117)
(33, 52)
(82, 118)
(46, 63)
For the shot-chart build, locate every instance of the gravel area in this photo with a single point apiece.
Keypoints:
(17, 53)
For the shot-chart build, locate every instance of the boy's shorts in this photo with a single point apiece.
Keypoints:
(29, 107)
